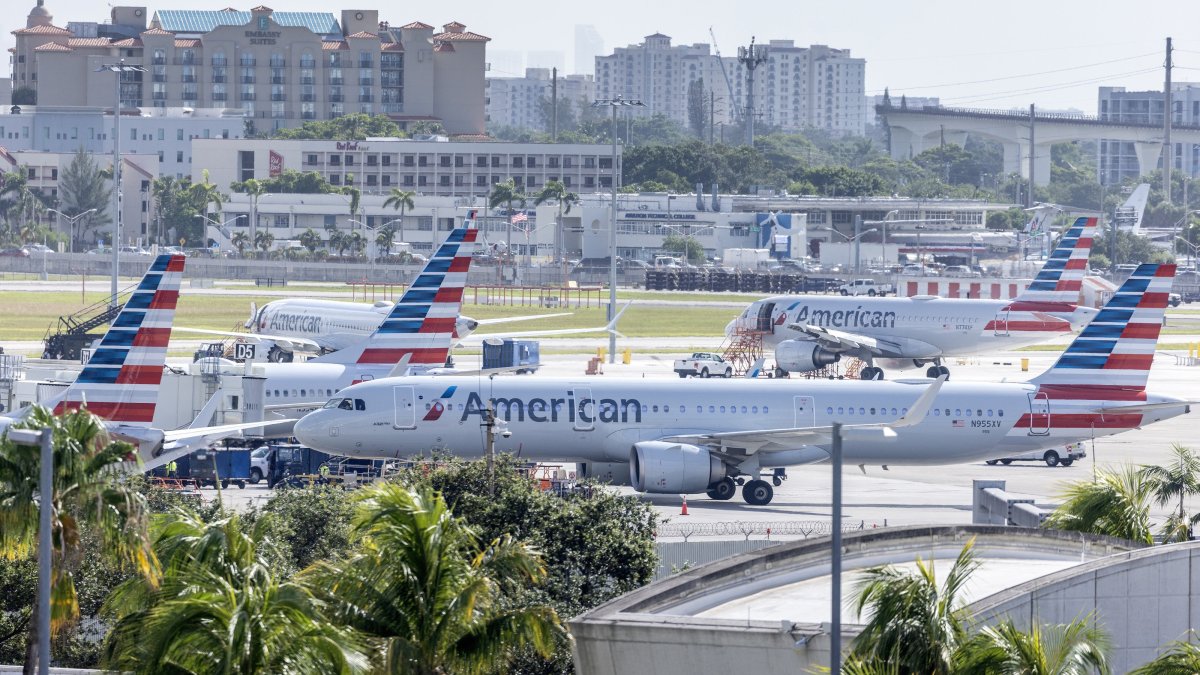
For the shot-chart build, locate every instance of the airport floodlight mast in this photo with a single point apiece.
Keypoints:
(751, 58)
(118, 70)
(614, 103)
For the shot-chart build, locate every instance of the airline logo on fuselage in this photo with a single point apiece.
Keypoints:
(554, 410)
(300, 323)
(845, 318)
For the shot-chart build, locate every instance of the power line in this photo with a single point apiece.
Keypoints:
(1045, 88)
(1005, 52)
(1015, 77)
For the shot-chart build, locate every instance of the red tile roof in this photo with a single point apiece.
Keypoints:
(261, 8)
(333, 46)
(89, 42)
(465, 36)
(361, 35)
(187, 43)
(416, 25)
(128, 42)
(157, 31)
(52, 47)
(392, 47)
(454, 26)
(443, 47)
(42, 30)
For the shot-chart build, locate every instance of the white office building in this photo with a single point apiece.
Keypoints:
(1118, 159)
(523, 102)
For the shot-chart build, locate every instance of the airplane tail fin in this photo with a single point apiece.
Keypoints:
(1061, 277)
(120, 382)
(422, 322)
(1115, 350)
(253, 320)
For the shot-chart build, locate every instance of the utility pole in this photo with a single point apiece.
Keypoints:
(1168, 114)
(554, 104)
(712, 114)
(751, 58)
(1032, 160)
(489, 423)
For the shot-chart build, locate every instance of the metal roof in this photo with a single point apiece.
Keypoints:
(203, 21)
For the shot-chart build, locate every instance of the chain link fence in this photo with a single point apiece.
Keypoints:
(780, 528)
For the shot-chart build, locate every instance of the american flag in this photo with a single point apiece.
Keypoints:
(520, 218)
(958, 424)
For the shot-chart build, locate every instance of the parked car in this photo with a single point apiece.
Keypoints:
(917, 270)
(39, 249)
(101, 250)
(865, 287)
(962, 271)
(14, 252)
(134, 250)
(704, 364)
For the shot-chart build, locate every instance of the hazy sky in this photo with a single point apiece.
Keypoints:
(1054, 53)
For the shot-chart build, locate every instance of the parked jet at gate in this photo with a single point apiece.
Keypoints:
(705, 437)
(120, 382)
(809, 332)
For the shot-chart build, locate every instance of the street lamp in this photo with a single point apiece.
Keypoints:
(118, 70)
(71, 220)
(614, 103)
(1192, 249)
(839, 436)
(854, 240)
(43, 439)
(887, 217)
(219, 225)
(920, 257)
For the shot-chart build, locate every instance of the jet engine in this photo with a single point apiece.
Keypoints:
(611, 473)
(662, 467)
(799, 356)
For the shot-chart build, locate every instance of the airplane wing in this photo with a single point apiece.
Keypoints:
(754, 439)
(529, 317)
(842, 341)
(205, 436)
(610, 327)
(298, 344)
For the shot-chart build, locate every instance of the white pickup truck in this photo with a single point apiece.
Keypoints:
(704, 364)
(865, 287)
(1064, 456)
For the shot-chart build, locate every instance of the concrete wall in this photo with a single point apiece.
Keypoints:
(674, 556)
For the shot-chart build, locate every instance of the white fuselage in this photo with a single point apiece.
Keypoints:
(924, 326)
(332, 324)
(598, 421)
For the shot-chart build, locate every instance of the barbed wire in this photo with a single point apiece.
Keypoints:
(789, 528)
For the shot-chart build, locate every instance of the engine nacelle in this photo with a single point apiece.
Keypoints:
(800, 356)
(661, 467)
(611, 473)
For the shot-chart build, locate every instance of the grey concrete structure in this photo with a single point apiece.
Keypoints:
(768, 610)
(523, 102)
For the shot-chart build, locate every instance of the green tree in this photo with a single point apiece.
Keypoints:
(82, 186)
(1116, 504)
(263, 240)
(310, 240)
(383, 240)
(507, 193)
(222, 609)
(556, 191)
(914, 623)
(1177, 480)
(355, 199)
(256, 189)
(338, 241)
(1077, 648)
(353, 127)
(400, 200)
(356, 242)
(684, 246)
(240, 241)
(697, 107)
(1128, 248)
(1183, 658)
(423, 589)
(87, 490)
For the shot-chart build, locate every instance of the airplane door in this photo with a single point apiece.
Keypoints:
(1039, 414)
(806, 413)
(1000, 325)
(406, 408)
(586, 409)
(765, 312)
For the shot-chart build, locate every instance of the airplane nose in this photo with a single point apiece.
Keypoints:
(312, 431)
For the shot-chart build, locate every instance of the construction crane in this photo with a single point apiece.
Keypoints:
(728, 83)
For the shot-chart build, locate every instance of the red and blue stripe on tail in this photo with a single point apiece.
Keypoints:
(421, 324)
(1061, 278)
(120, 381)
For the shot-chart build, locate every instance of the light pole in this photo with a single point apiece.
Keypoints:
(614, 103)
(887, 217)
(1191, 250)
(1179, 223)
(117, 69)
(920, 257)
(854, 240)
(219, 225)
(71, 220)
(44, 440)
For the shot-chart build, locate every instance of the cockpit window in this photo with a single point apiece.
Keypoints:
(360, 404)
(345, 404)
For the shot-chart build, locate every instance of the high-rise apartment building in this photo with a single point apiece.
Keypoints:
(1118, 160)
(523, 102)
(279, 68)
(588, 45)
(796, 88)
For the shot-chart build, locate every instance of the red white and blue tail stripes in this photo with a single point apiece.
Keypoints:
(1117, 347)
(1061, 278)
(120, 381)
(422, 323)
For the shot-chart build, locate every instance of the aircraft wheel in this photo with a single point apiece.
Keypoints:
(992, 462)
(933, 372)
(758, 492)
(943, 370)
(722, 490)
(1006, 462)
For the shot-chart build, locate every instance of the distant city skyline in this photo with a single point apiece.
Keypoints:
(1056, 55)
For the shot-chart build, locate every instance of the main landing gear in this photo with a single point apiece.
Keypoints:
(756, 492)
(937, 370)
(870, 373)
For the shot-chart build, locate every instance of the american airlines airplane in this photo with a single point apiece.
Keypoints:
(713, 434)
(810, 332)
(120, 382)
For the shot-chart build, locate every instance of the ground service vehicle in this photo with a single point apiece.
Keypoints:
(521, 355)
(1064, 456)
(866, 287)
(704, 364)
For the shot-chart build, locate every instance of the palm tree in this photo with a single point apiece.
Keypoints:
(1077, 648)
(1116, 504)
(240, 241)
(263, 240)
(88, 490)
(401, 201)
(1179, 479)
(310, 240)
(556, 191)
(338, 241)
(383, 240)
(1182, 659)
(355, 200)
(424, 590)
(256, 189)
(204, 193)
(222, 609)
(356, 242)
(506, 193)
(913, 622)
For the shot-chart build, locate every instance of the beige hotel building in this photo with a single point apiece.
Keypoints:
(278, 68)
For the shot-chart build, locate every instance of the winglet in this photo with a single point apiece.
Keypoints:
(612, 325)
(401, 367)
(917, 412)
(253, 320)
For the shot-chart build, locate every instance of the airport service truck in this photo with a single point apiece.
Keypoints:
(866, 287)
(751, 259)
(704, 364)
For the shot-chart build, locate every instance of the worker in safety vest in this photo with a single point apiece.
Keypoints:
(171, 468)
(324, 472)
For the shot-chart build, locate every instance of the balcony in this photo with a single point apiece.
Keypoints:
(181, 61)
(336, 81)
(247, 62)
(365, 82)
(366, 64)
(308, 115)
(278, 63)
(308, 80)
(159, 61)
(278, 97)
(308, 98)
(219, 79)
(219, 96)
(247, 96)
(279, 80)
(393, 108)
(188, 78)
(159, 96)
(308, 63)
(159, 77)
(393, 63)
(336, 98)
(189, 96)
(247, 79)
(366, 98)
(218, 62)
